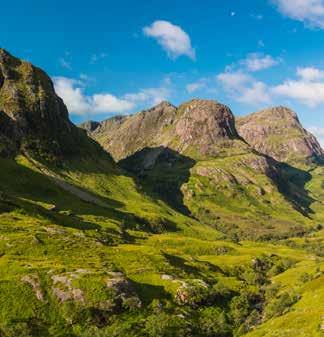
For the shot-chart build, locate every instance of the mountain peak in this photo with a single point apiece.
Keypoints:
(35, 119)
(200, 126)
(278, 133)
(277, 112)
(163, 104)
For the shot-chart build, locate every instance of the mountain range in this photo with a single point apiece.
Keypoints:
(173, 221)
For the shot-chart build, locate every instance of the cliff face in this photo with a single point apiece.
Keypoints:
(278, 133)
(33, 118)
(197, 127)
(193, 158)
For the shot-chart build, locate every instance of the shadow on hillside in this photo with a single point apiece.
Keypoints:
(291, 182)
(148, 292)
(180, 263)
(161, 172)
(29, 190)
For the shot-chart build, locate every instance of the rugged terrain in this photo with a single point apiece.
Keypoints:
(173, 241)
(278, 133)
(193, 158)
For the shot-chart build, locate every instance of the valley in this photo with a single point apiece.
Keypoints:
(173, 221)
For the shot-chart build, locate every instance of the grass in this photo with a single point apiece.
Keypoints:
(122, 236)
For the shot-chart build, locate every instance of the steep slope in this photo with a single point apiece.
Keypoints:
(197, 126)
(84, 251)
(193, 158)
(34, 119)
(278, 133)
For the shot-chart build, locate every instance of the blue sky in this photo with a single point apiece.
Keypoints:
(118, 57)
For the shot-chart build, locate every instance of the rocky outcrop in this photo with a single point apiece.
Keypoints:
(278, 133)
(33, 118)
(89, 126)
(202, 126)
(34, 281)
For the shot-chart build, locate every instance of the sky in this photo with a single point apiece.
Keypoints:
(119, 57)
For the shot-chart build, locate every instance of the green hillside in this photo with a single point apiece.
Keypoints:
(203, 236)
(133, 266)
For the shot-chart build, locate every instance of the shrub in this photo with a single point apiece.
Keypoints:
(213, 323)
(280, 305)
(164, 325)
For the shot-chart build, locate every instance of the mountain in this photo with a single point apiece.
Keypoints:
(33, 118)
(278, 133)
(193, 158)
(196, 126)
(192, 234)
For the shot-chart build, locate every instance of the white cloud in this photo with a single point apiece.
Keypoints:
(257, 93)
(311, 12)
(244, 88)
(308, 93)
(78, 103)
(318, 133)
(195, 86)
(107, 103)
(150, 96)
(72, 93)
(308, 89)
(256, 62)
(234, 80)
(173, 39)
(310, 73)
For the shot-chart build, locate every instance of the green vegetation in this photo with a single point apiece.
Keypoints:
(206, 237)
(126, 264)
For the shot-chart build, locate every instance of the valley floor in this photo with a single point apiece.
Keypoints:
(112, 262)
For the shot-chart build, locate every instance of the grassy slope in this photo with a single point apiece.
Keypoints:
(157, 240)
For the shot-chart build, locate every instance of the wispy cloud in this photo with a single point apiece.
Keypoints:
(258, 17)
(244, 88)
(311, 12)
(72, 91)
(307, 89)
(196, 86)
(173, 39)
(97, 57)
(310, 74)
(256, 62)
(65, 64)
(78, 103)
(318, 132)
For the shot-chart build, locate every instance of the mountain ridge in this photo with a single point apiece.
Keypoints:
(171, 241)
(278, 133)
(36, 119)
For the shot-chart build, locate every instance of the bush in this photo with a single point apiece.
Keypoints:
(164, 325)
(213, 323)
(280, 305)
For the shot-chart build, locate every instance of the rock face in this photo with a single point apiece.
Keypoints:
(278, 133)
(196, 126)
(193, 158)
(33, 119)
(89, 126)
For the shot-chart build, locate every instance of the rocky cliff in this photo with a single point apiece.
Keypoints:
(278, 133)
(193, 158)
(33, 118)
(198, 127)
